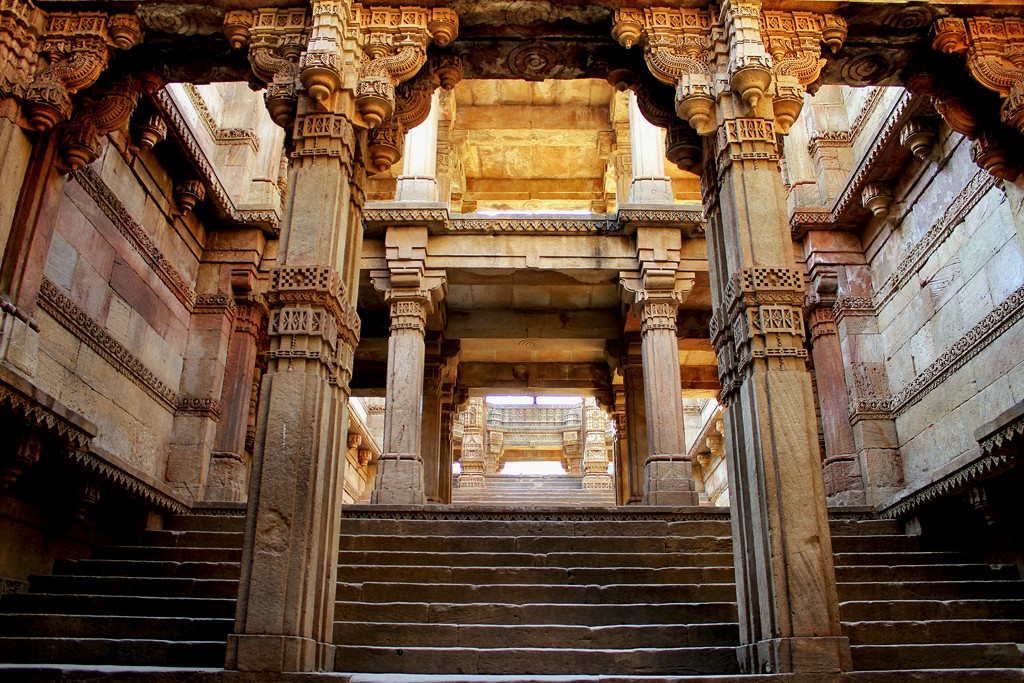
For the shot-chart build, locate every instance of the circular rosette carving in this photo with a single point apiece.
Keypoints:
(534, 62)
(911, 18)
(867, 68)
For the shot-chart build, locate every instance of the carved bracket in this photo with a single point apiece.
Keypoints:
(77, 47)
(106, 108)
(772, 53)
(992, 48)
(395, 40)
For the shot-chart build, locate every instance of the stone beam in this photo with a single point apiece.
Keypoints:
(504, 324)
(566, 376)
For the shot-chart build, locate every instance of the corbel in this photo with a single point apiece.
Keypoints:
(678, 48)
(104, 109)
(276, 38)
(794, 41)
(878, 198)
(396, 40)
(919, 135)
(187, 195)
(991, 47)
(78, 48)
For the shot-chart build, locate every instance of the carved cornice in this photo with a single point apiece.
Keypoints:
(267, 220)
(74, 319)
(376, 218)
(200, 406)
(874, 161)
(136, 235)
(126, 481)
(866, 111)
(985, 466)
(40, 416)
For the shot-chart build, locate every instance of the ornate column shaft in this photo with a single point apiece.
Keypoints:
(739, 75)
(229, 462)
(636, 424)
(789, 614)
(649, 185)
(285, 615)
(668, 479)
(472, 476)
(841, 470)
(430, 447)
(400, 471)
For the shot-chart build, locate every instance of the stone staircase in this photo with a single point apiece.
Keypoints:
(457, 591)
(520, 490)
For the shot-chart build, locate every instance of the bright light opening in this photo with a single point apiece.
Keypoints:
(559, 400)
(534, 468)
(456, 468)
(509, 400)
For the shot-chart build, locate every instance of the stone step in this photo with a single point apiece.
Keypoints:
(497, 527)
(193, 539)
(167, 569)
(911, 610)
(559, 559)
(898, 558)
(112, 651)
(667, 661)
(534, 575)
(930, 590)
(119, 585)
(109, 626)
(865, 527)
(234, 523)
(926, 572)
(539, 613)
(538, 544)
(924, 676)
(876, 544)
(169, 554)
(936, 656)
(933, 631)
(370, 592)
(128, 605)
(533, 636)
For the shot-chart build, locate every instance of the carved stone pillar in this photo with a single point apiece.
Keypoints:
(285, 614)
(444, 460)
(430, 447)
(620, 447)
(668, 479)
(650, 185)
(655, 291)
(229, 463)
(741, 99)
(400, 471)
(636, 422)
(418, 181)
(202, 379)
(840, 467)
(472, 476)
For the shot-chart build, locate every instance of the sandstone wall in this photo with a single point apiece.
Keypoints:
(115, 306)
(948, 281)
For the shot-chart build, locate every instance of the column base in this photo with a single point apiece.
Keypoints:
(273, 653)
(821, 655)
(669, 482)
(399, 480)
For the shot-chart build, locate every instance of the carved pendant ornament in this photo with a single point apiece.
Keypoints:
(760, 56)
